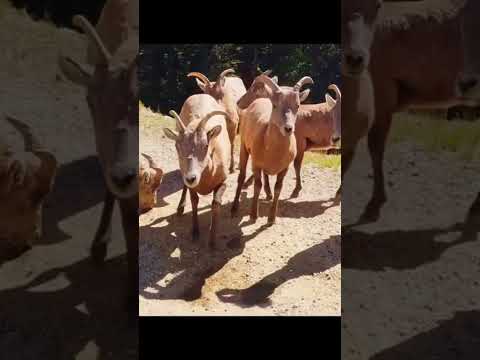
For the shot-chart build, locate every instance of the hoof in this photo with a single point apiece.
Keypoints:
(371, 214)
(268, 197)
(271, 221)
(295, 194)
(98, 252)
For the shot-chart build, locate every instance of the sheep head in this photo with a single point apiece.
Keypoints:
(194, 146)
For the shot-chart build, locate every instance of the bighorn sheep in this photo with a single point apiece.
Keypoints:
(112, 97)
(399, 43)
(149, 178)
(267, 134)
(203, 148)
(317, 126)
(26, 178)
(227, 91)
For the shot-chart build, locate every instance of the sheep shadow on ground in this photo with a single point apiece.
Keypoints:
(78, 186)
(57, 314)
(171, 183)
(315, 259)
(407, 249)
(194, 264)
(455, 338)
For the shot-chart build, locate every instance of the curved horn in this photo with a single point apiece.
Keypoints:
(223, 73)
(151, 162)
(303, 81)
(180, 124)
(200, 76)
(337, 91)
(207, 117)
(84, 24)
(269, 82)
(33, 145)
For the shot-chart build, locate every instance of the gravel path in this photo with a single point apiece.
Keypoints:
(291, 268)
(419, 275)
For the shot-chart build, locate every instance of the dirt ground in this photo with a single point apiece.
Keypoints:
(54, 304)
(410, 281)
(291, 268)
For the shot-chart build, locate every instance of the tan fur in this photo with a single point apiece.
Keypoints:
(193, 110)
(404, 15)
(415, 61)
(210, 156)
(26, 178)
(118, 19)
(227, 96)
(264, 137)
(269, 150)
(149, 179)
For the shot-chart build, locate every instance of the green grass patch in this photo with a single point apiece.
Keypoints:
(311, 158)
(320, 160)
(436, 134)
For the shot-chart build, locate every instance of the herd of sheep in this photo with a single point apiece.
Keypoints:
(275, 130)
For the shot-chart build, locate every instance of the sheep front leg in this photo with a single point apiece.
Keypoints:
(181, 204)
(257, 172)
(297, 164)
(266, 187)
(195, 227)
(278, 189)
(232, 157)
(216, 204)
(241, 178)
(103, 236)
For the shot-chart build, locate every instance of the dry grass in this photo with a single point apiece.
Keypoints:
(150, 120)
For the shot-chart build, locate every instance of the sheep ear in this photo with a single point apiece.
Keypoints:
(275, 79)
(304, 94)
(172, 135)
(330, 101)
(201, 85)
(214, 132)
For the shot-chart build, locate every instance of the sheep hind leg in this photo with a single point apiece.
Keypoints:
(216, 204)
(241, 178)
(257, 172)
(266, 187)
(297, 164)
(249, 182)
(278, 188)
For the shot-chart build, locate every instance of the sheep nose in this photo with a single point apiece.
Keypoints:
(288, 129)
(354, 60)
(191, 179)
(123, 178)
(466, 83)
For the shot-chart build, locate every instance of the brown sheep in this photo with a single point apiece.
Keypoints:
(149, 179)
(267, 134)
(203, 148)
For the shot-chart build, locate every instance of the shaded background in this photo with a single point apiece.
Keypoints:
(163, 68)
